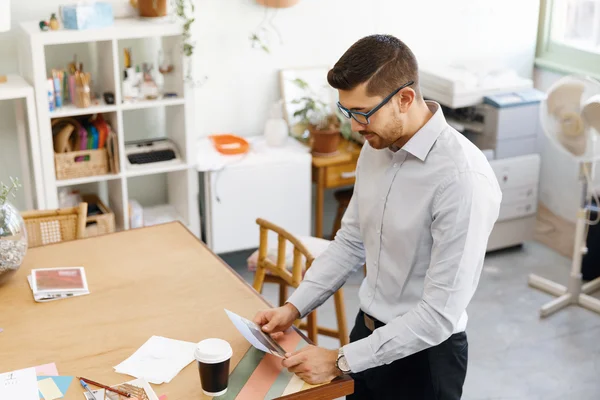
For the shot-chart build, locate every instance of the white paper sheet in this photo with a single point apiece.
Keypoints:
(21, 384)
(255, 335)
(159, 360)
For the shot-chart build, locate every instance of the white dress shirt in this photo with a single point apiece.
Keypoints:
(420, 217)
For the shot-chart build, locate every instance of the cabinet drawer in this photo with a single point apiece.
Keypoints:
(340, 175)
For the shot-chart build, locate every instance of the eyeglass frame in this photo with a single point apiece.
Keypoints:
(368, 115)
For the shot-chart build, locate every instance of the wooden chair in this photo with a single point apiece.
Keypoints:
(279, 273)
(53, 226)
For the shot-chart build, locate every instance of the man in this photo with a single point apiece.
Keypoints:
(424, 204)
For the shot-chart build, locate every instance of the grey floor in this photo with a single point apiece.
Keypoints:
(513, 354)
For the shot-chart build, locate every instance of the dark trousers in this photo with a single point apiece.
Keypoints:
(436, 373)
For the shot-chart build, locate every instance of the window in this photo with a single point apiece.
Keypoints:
(569, 36)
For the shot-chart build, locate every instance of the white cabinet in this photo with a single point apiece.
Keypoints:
(519, 179)
(274, 184)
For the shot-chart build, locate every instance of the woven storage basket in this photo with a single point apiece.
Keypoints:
(98, 224)
(79, 164)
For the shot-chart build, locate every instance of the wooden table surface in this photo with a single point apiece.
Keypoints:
(153, 281)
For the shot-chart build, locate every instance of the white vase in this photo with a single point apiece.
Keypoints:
(276, 132)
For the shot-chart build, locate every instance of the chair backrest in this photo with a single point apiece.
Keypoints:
(293, 277)
(53, 226)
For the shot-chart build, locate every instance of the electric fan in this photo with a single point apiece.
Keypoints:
(570, 117)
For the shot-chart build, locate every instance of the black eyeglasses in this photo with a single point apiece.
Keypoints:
(363, 118)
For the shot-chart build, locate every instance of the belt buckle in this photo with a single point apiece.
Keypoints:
(369, 323)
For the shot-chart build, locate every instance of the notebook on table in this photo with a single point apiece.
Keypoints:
(50, 284)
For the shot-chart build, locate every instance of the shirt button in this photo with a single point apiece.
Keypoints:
(395, 165)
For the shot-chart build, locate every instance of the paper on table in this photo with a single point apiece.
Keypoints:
(255, 335)
(62, 382)
(21, 384)
(46, 370)
(49, 389)
(159, 360)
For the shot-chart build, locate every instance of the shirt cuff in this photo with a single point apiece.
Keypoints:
(360, 355)
(302, 299)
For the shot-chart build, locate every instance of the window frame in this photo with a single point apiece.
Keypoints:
(559, 57)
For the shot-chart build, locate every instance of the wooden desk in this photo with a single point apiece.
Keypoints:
(333, 172)
(143, 282)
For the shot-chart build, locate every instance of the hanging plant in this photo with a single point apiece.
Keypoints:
(260, 38)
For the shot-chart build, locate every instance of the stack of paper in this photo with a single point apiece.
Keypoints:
(50, 284)
(159, 360)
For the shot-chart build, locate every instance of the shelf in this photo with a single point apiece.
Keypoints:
(122, 28)
(87, 179)
(161, 169)
(141, 104)
(70, 110)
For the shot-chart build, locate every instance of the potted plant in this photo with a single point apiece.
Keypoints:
(13, 238)
(317, 122)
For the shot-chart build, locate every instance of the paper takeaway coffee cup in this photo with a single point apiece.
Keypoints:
(213, 357)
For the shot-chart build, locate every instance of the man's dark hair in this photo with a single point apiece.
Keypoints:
(383, 61)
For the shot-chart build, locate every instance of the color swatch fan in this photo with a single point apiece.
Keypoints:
(570, 118)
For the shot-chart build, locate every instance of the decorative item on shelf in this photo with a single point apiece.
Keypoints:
(151, 8)
(109, 97)
(44, 26)
(83, 147)
(276, 129)
(83, 98)
(70, 86)
(87, 15)
(148, 87)
(13, 236)
(54, 24)
(165, 62)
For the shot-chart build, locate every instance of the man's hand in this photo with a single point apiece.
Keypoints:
(276, 320)
(313, 364)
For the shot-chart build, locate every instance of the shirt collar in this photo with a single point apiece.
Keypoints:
(422, 141)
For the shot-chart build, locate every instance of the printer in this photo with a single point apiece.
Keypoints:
(499, 112)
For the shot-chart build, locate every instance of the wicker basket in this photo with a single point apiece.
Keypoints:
(98, 224)
(79, 164)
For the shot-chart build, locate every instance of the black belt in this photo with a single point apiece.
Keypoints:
(370, 322)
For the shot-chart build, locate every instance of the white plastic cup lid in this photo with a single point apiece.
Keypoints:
(213, 351)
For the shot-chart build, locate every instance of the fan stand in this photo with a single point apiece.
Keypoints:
(576, 293)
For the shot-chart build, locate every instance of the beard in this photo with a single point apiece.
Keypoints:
(384, 138)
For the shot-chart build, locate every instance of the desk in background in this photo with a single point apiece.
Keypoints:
(151, 281)
(333, 172)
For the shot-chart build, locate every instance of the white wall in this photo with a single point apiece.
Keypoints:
(243, 82)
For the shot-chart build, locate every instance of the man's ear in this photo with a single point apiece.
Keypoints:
(404, 99)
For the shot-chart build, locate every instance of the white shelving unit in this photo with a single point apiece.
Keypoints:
(101, 51)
